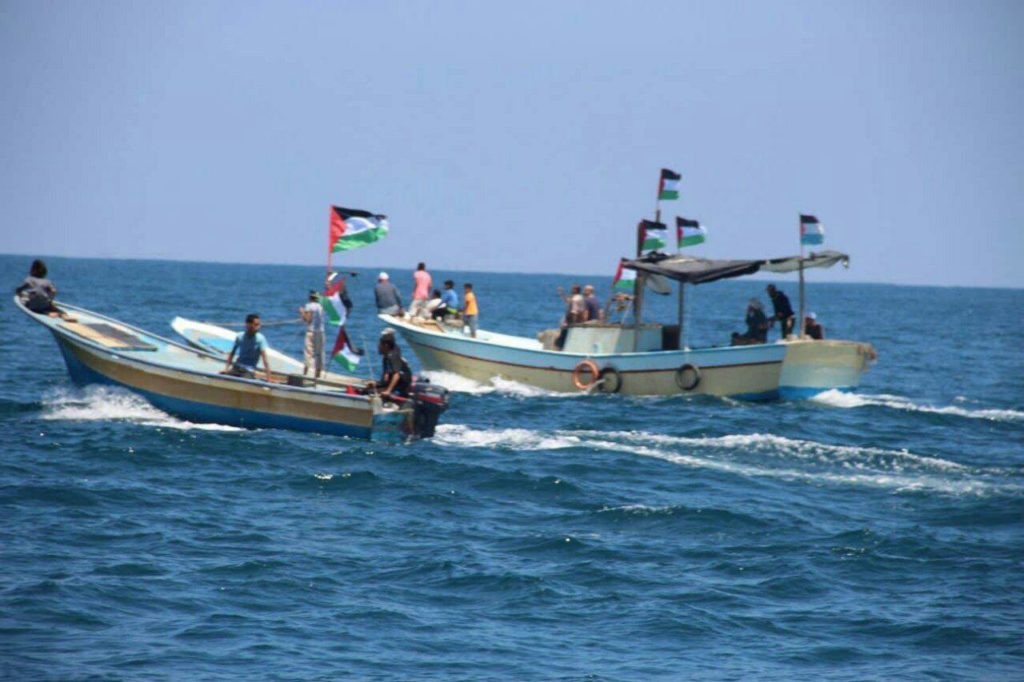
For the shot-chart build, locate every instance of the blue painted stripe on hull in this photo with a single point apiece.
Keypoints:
(83, 375)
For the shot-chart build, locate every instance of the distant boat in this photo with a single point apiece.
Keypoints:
(646, 358)
(186, 382)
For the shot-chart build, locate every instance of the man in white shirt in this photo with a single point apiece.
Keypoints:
(313, 351)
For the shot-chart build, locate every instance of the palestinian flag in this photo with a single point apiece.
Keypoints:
(655, 236)
(668, 188)
(811, 231)
(331, 301)
(354, 229)
(689, 232)
(625, 280)
(343, 353)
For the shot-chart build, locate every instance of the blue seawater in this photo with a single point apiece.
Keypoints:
(874, 535)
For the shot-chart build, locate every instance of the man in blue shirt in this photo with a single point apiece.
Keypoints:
(250, 345)
(449, 299)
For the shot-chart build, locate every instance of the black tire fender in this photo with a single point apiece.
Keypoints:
(688, 377)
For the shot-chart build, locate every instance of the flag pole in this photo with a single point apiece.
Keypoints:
(801, 230)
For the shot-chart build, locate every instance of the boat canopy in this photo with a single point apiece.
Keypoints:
(690, 270)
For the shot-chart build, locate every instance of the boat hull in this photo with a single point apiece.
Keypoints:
(813, 367)
(187, 383)
(746, 373)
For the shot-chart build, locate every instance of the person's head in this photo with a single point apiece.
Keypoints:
(436, 294)
(811, 317)
(313, 295)
(448, 284)
(382, 277)
(252, 322)
(588, 290)
(770, 289)
(421, 266)
(575, 288)
(754, 303)
(467, 286)
(387, 341)
(38, 268)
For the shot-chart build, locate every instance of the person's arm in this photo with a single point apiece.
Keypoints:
(266, 364)
(392, 383)
(305, 314)
(561, 295)
(231, 356)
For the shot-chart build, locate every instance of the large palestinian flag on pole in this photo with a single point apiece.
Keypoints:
(625, 280)
(655, 236)
(352, 228)
(689, 232)
(811, 231)
(668, 188)
(334, 309)
(343, 353)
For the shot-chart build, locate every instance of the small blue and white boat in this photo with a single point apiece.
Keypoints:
(187, 383)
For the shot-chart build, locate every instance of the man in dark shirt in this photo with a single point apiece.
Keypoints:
(783, 310)
(395, 376)
(594, 311)
(813, 328)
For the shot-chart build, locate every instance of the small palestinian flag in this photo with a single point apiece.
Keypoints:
(655, 236)
(811, 231)
(689, 232)
(625, 280)
(353, 229)
(334, 309)
(668, 188)
(343, 353)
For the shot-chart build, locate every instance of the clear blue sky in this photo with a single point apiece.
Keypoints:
(519, 136)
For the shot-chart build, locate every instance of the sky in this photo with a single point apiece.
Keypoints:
(517, 137)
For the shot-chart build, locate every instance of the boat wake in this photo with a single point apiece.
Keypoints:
(840, 399)
(460, 384)
(761, 455)
(101, 403)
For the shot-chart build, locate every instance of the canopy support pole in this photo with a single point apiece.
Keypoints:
(682, 307)
(638, 288)
(802, 298)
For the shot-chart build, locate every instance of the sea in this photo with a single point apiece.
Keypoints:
(539, 536)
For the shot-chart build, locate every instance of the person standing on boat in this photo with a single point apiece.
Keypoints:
(396, 375)
(313, 350)
(450, 299)
(422, 281)
(249, 346)
(594, 312)
(813, 328)
(389, 301)
(783, 311)
(575, 312)
(757, 322)
(469, 309)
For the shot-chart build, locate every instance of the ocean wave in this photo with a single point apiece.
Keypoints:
(102, 403)
(835, 398)
(511, 439)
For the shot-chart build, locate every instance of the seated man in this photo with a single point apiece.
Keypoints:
(250, 346)
(813, 328)
(396, 375)
(757, 322)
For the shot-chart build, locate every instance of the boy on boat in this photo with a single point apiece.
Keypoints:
(37, 292)
(469, 309)
(450, 299)
(250, 346)
(396, 375)
(783, 311)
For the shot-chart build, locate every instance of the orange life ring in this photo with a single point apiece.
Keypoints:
(577, 375)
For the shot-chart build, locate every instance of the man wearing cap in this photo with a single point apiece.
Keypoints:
(594, 312)
(389, 301)
(813, 328)
(313, 351)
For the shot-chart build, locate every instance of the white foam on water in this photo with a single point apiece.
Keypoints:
(324, 477)
(835, 398)
(518, 439)
(101, 403)
(771, 444)
(859, 465)
(460, 384)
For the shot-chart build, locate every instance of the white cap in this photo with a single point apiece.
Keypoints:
(382, 275)
(812, 316)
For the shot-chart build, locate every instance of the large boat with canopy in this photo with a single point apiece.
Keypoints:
(648, 358)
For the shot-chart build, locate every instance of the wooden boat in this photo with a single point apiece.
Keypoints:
(187, 383)
(646, 358)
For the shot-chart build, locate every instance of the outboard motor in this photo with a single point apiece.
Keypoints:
(429, 402)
